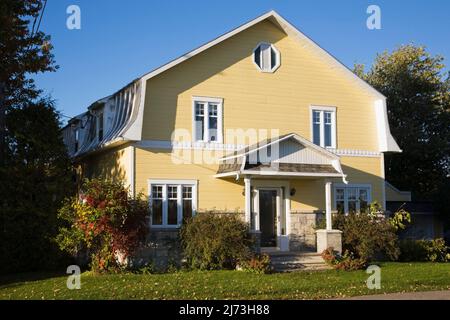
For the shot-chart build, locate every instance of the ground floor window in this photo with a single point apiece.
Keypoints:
(172, 201)
(352, 198)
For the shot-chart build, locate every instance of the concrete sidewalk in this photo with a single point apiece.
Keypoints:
(426, 295)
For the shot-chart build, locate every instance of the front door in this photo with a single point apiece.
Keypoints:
(268, 215)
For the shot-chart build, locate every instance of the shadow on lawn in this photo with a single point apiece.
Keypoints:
(15, 280)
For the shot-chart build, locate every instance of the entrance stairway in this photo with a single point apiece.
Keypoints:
(296, 261)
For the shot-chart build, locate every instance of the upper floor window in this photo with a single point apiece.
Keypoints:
(207, 119)
(352, 198)
(266, 57)
(77, 139)
(172, 202)
(323, 126)
(100, 126)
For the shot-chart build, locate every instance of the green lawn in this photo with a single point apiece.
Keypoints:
(395, 277)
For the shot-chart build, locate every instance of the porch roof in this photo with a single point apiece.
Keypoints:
(296, 157)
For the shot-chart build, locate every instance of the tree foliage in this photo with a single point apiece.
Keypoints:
(418, 99)
(35, 171)
(34, 180)
(22, 51)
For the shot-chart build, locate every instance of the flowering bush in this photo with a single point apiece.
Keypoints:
(105, 221)
(347, 261)
(258, 263)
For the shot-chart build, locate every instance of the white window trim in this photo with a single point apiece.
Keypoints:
(331, 109)
(207, 101)
(345, 187)
(179, 183)
(278, 60)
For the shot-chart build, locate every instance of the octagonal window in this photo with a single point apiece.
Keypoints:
(266, 57)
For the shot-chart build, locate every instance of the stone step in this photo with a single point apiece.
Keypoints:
(301, 267)
(294, 261)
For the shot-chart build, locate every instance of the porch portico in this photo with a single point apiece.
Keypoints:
(268, 187)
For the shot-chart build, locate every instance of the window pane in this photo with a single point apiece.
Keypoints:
(352, 194)
(352, 206)
(199, 121)
(172, 211)
(327, 118)
(316, 117)
(172, 192)
(187, 202)
(157, 192)
(257, 56)
(273, 58)
(187, 192)
(340, 207)
(363, 200)
(213, 122)
(340, 194)
(187, 209)
(316, 127)
(100, 126)
(265, 63)
(157, 212)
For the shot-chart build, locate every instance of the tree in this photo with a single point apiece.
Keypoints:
(35, 171)
(23, 51)
(418, 100)
(36, 179)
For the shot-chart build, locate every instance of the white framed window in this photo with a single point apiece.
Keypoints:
(266, 57)
(207, 122)
(76, 135)
(172, 202)
(352, 197)
(323, 126)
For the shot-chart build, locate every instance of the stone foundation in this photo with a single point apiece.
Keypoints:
(303, 230)
(163, 246)
(162, 249)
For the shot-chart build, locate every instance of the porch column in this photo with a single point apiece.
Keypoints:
(328, 205)
(248, 199)
(328, 238)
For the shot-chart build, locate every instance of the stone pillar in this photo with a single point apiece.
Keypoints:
(328, 238)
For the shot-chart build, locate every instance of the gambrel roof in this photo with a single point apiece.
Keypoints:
(131, 120)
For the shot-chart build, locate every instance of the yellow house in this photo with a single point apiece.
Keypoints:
(260, 121)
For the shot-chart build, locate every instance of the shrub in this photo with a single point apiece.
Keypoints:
(258, 263)
(400, 219)
(424, 250)
(105, 222)
(367, 237)
(346, 262)
(215, 241)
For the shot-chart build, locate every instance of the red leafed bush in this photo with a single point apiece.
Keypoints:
(104, 221)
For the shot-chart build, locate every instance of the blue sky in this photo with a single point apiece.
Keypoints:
(121, 40)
